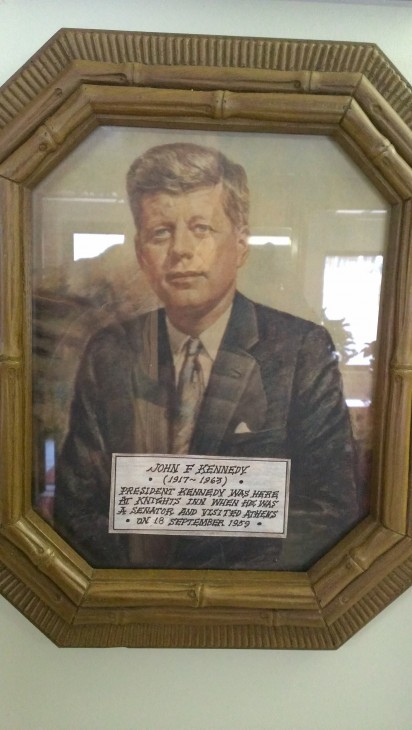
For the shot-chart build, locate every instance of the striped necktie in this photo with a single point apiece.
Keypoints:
(190, 389)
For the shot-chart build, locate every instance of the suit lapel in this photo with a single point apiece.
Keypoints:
(230, 376)
(154, 387)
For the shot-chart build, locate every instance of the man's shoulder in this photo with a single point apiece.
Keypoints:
(124, 334)
(284, 319)
(278, 333)
(276, 320)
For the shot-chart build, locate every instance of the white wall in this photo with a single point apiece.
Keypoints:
(366, 684)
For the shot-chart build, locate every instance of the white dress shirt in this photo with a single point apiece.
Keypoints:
(210, 339)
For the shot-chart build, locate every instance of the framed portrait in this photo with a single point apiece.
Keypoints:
(207, 339)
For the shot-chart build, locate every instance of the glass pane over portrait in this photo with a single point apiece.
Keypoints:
(316, 224)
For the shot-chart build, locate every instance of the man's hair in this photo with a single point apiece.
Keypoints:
(182, 167)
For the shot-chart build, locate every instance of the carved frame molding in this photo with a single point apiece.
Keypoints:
(350, 91)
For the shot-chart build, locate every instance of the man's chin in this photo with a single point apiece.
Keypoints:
(195, 301)
(185, 301)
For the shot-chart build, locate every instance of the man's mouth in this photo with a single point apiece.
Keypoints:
(177, 277)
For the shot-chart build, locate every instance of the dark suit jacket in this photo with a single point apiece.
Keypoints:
(274, 372)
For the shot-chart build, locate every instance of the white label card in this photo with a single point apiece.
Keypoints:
(199, 495)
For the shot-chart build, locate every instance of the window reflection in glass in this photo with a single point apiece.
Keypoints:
(351, 290)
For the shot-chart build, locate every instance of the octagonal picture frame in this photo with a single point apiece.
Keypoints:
(349, 92)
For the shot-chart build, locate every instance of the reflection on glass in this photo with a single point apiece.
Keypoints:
(361, 277)
(90, 245)
(45, 499)
(273, 240)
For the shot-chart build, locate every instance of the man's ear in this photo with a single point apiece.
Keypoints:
(242, 245)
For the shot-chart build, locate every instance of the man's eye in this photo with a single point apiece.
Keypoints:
(202, 229)
(160, 234)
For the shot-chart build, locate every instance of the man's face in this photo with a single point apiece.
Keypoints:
(190, 250)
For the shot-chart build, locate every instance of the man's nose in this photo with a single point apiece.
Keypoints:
(183, 241)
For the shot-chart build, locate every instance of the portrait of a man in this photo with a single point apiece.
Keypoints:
(210, 372)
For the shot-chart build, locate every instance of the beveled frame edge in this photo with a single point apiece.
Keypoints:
(62, 595)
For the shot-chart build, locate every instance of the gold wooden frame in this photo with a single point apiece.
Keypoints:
(81, 79)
